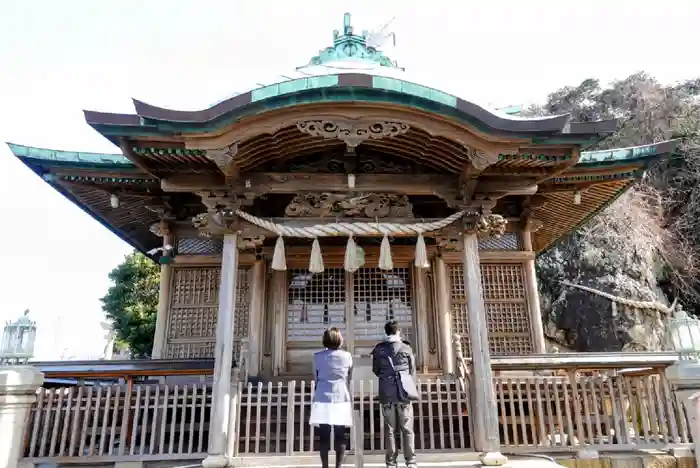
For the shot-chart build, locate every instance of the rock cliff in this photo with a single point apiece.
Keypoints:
(609, 255)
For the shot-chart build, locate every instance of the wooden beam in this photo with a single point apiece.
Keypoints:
(566, 165)
(259, 183)
(129, 153)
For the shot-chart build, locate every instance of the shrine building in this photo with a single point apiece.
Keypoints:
(345, 195)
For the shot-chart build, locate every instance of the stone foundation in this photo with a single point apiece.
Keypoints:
(632, 460)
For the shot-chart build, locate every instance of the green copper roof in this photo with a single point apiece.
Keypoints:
(75, 157)
(353, 47)
(588, 158)
(631, 154)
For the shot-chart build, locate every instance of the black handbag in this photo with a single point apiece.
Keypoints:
(405, 385)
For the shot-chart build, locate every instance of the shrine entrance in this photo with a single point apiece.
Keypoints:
(359, 304)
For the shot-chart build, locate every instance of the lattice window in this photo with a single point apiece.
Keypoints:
(194, 306)
(315, 301)
(508, 241)
(380, 296)
(507, 316)
(199, 246)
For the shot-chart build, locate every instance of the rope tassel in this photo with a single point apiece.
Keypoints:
(352, 263)
(385, 260)
(279, 257)
(421, 253)
(316, 260)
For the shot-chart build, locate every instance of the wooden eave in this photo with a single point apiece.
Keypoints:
(600, 177)
(87, 179)
(151, 121)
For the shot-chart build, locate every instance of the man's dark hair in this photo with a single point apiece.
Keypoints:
(332, 339)
(391, 327)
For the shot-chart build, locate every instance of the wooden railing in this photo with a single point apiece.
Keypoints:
(273, 419)
(117, 410)
(597, 412)
(586, 401)
(562, 406)
(117, 421)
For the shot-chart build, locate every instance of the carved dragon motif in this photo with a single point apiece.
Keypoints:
(644, 305)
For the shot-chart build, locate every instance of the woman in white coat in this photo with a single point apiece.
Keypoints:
(332, 404)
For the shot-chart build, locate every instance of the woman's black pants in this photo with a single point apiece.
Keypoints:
(341, 443)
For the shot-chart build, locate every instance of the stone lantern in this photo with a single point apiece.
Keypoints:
(18, 386)
(18, 341)
(683, 336)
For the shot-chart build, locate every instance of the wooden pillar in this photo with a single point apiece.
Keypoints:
(166, 273)
(223, 356)
(421, 292)
(350, 313)
(533, 297)
(278, 296)
(257, 311)
(483, 405)
(444, 314)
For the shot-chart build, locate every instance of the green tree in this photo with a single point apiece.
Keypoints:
(131, 303)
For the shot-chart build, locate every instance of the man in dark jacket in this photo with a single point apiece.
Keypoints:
(398, 414)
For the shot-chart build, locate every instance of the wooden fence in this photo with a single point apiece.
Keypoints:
(544, 411)
(599, 412)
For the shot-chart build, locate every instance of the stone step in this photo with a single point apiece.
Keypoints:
(456, 460)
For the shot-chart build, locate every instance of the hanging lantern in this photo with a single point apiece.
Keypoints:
(577, 197)
(18, 341)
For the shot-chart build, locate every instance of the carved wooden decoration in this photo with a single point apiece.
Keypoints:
(367, 205)
(157, 229)
(486, 225)
(250, 243)
(224, 158)
(352, 133)
(220, 216)
(479, 159)
(349, 163)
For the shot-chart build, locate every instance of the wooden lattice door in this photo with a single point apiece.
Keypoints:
(358, 304)
(315, 301)
(507, 316)
(379, 296)
(194, 306)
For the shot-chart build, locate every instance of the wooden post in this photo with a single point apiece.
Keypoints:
(278, 296)
(444, 313)
(223, 357)
(421, 307)
(160, 335)
(358, 439)
(486, 438)
(350, 313)
(533, 297)
(257, 312)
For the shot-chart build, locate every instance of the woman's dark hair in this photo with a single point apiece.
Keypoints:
(332, 339)
(391, 328)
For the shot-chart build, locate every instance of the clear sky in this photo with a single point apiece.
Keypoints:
(59, 57)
